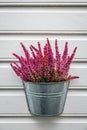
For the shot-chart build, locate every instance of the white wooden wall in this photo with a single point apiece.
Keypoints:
(30, 21)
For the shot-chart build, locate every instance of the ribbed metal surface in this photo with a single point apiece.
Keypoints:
(46, 99)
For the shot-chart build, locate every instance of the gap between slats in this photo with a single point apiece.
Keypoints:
(43, 32)
(10, 119)
(28, 115)
(44, 9)
(43, 4)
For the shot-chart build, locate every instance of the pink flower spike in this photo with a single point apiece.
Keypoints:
(39, 47)
(48, 42)
(16, 65)
(33, 54)
(57, 55)
(74, 51)
(70, 58)
(65, 53)
(26, 52)
(50, 58)
(18, 57)
(34, 48)
(72, 77)
(15, 69)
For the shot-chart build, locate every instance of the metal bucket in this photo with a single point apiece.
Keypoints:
(46, 98)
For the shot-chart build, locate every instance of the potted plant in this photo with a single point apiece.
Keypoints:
(45, 77)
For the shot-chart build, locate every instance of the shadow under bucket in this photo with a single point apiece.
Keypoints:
(46, 98)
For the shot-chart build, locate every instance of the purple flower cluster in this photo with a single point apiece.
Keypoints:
(42, 66)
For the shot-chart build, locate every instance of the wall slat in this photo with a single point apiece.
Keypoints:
(43, 19)
(43, 123)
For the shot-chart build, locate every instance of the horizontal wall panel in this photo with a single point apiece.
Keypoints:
(10, 44)
(13, 101)
(43, 19)
(47, 123)
(8, 77)
(29, 1)
(43, 123)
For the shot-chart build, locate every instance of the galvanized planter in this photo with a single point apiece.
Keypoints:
(46, 98)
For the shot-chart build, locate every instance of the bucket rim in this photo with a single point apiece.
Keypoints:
(68, 81)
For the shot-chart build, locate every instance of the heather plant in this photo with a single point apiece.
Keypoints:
(43, 66)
